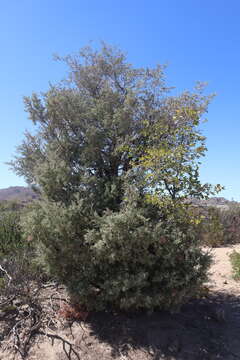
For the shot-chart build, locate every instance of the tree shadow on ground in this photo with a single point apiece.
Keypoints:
(203, 329)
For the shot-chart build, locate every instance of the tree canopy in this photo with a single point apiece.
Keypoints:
(106, 119)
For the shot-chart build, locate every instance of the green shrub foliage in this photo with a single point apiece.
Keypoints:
(120, 259)
(114, 157)
(10, 231)
(210, 228)
(235, 261)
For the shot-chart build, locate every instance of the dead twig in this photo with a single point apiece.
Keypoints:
(64, 343)
(6, 273)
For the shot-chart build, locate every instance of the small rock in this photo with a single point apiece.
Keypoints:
(2, 314)
(24, 309)
(151, 351)
(17, 302)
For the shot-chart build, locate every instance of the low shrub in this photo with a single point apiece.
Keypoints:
(19, 267)
(210, 228)
(230, 220)
(120, 259)
(235, 261)
(10, 231)
(20, 274)
(219, 226)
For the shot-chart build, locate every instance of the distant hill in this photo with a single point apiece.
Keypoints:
(219, 202)
(20, 193)
(25, 194)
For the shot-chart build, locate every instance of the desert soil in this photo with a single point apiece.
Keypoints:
(205, 329)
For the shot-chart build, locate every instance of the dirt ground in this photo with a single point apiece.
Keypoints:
(221, 276)
(206, 328)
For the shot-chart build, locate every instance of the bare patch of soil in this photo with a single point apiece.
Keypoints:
(221, 271)
(204, 329)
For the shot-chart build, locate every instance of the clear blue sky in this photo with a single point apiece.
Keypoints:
(199, 39)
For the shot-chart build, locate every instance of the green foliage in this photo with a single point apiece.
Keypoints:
(17, 255)
(210, 227)
(235, 261)
(114, 157)
(10, 231)
(120, 259)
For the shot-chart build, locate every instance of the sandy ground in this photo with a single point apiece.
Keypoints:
(221, 272)
(205, 329)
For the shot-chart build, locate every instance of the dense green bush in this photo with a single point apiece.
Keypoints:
(235, 261)
(120, 259)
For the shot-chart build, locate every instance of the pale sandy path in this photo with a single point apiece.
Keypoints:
(221, 271)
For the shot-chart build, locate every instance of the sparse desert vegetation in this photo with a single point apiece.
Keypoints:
(235, 261)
